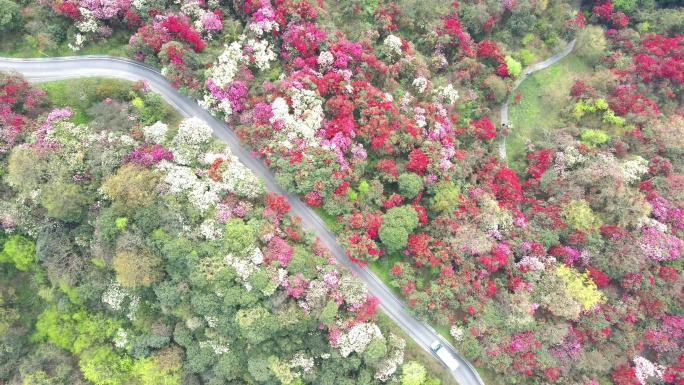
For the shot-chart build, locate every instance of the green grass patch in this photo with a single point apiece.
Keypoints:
(25, 46)
(545, 94)
(329, 220)
(381, 268)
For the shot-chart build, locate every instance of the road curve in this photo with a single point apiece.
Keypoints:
(73, 67)
(525, 73)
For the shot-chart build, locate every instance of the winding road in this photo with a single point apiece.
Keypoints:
(525, 73)
(73, 67)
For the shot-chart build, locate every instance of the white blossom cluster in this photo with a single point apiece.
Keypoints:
(448, 93)
(221, 73)
(566, 159)
(156, 133)
(353, 289)
(632, 170)
(456, 332)
(210, 230)
(133, 306)
(388, 365)
(202, 193)
(120, 339)
(299, 360)
(421, 84)
(193, 9)
(393, 43)
(211, 321)
(240, 180)
(88, 22)
(114, 295)
(304, 122)
(78, 42)
(245, 266)
(357, 338)
(218, 348)
(650, 222)
(316, 293)
(263, 54)
(645, 369)
(193, 323)
(192, 134)
(139, 5)
(325, 59)
(226, 67)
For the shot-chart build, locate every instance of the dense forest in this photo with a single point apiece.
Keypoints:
(139, 250)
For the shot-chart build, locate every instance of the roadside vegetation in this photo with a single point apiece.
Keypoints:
(563, 265)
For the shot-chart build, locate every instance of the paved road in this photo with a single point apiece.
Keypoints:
(525, 73)
(71, 67)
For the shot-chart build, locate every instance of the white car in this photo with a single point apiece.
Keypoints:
(444, 355)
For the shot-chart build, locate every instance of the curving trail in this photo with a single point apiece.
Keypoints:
(525, 73)
(73, 67)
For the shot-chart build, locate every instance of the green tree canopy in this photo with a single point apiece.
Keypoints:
(137, 268)
(410, 185)
(10, 17)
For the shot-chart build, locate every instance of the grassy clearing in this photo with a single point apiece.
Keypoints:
(381, 268)
(23, 46)
(329, 220)
(81, 93)
(414, 352)
(545, 94)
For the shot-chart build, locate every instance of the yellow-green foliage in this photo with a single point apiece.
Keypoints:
(579, 216)
(121, 223)
(580, 286)
(19, 250)
(582, 107)
(593, 138)
(150, 371)
(74, 331)
(105, 366)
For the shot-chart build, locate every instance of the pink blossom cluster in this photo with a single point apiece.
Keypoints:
(522, 341)
(660, 246)
(569, 351)
(9, 128)
(223, 213)
(211, 21)
(265, 19)
(295, 284)
(278, 249)
(149, 155)
(665, 213)
(669, 336)
(106, 9)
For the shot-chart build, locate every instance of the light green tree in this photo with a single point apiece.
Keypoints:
(104, 366)
(19, 250)
(413, 373)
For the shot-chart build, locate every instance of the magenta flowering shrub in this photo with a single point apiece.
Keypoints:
(278, 250)
(148, 155)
